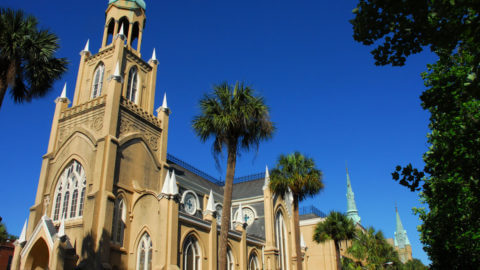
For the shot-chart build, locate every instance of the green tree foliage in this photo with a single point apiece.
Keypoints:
(337, 227)
(4, 235)
(414, 264)
(298, 174)
(236, 119)
(449, 182)
(27, 63)
(372, 247)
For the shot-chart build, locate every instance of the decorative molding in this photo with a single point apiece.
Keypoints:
(90, 118)
(129, 124)
(135, 109)
(139, 61)
(81, 108)
(101, 54)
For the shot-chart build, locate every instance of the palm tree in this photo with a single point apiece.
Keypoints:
(27, 63)
(236, 119)
(297, 174)
(337, 227)
(372, 247)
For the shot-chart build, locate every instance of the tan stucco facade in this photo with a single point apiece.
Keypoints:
(121, 147)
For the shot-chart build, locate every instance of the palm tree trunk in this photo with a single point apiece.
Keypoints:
(337, 253)
(227, 204)
(3, 90)
(296, 220)
(6, 78)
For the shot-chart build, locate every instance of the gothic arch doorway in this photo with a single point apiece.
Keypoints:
(38, 258)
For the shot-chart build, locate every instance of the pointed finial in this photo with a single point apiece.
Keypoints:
(121, 33)
(302, 241)
(210, 203)
(267, 178)
(164, 103)
(239, 219)
(164, 107)
(154, 57)
(63, 95)
(116, 75)
(166, 184)
(169, 189)
(23, 236)
(64, 91)
(87, 46)
(61, 230)
(173, 184)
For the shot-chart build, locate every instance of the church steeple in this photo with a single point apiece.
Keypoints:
(128, 15)
(352, 211)
(401, 238)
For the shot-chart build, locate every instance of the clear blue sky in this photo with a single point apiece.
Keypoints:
(327, 97)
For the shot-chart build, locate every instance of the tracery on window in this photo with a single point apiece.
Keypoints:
(144, 253)
(119, 220)
(71, 181)
(191, 254)
(132, 85)
(98, 80)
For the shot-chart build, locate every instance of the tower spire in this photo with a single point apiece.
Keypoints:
(352, 211)
(401, 238)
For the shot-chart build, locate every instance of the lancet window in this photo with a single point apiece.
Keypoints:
(281, 241)
(253, 262)
(98, 80)
(132, 85)
(72, 182)
(144, 253)
(191, 254)
(119, 220)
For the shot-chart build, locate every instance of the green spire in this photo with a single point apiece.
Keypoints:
(352, 211)
(140, 3)
(401, 238)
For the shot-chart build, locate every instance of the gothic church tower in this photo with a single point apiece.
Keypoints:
(106, 151)
(401, 242)
(352, 211)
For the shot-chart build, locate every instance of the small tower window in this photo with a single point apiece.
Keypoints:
(119, 218)
(98, 81)
(132, 86)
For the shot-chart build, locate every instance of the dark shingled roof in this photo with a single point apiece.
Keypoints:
(248, 189)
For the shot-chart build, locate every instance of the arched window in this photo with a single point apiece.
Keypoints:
(281, 241)
(230, 260)
(191, 254)
(253, 262)
(98, 80)
(119, 219)
(132, 86)
(71, 181)
(144, 253)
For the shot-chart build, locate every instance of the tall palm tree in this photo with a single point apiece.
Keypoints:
(337, 227)
(27, 63)
(297, 174)
(236, 119)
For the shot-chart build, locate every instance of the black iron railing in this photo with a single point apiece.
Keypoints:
(210, 178)
(311, 210)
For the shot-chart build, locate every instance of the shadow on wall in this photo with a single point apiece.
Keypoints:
(91, 257)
